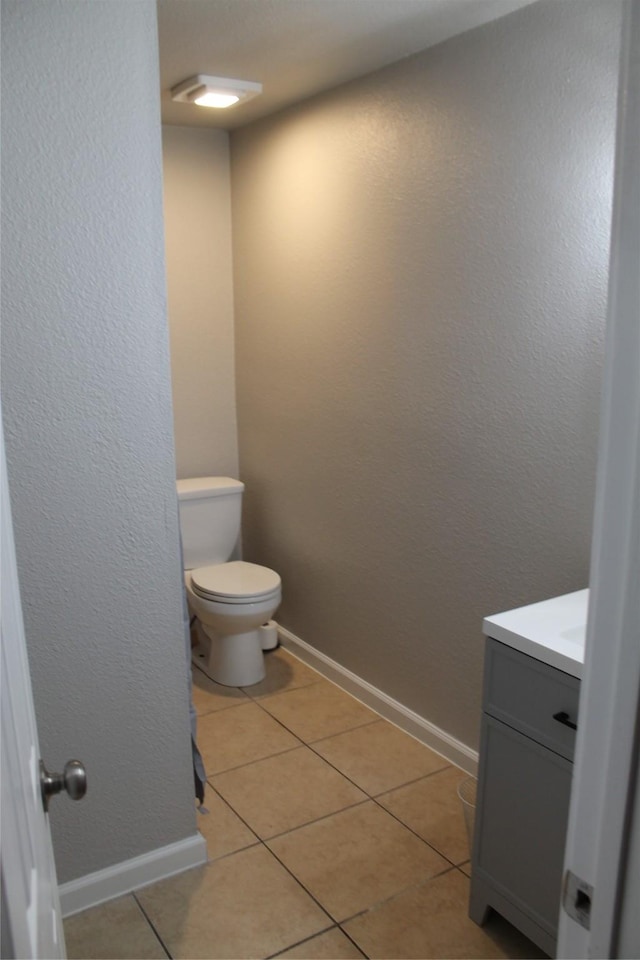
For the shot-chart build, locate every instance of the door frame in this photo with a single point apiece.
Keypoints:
(604, 801)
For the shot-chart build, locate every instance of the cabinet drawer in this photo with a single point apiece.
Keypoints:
(528, 695)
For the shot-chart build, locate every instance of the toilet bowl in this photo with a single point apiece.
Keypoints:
(231, 602)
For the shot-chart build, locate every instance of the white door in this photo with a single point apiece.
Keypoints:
(603, 842)
(31, 919)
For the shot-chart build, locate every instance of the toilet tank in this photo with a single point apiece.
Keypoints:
(210, 514)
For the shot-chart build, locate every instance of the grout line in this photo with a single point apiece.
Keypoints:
(146, 916)
(309, 743)
(359, 803)
(277, 693)
(395, 896)
(354, 942)
(301, 884)
(225, 856)
(416, 834)
(366, 723)
(425, 879)
(337, 769)
(283, 693)
(381, 807)
(309, 823)
(258, 703)
(279, 753)
(234, 811)
(372, 796)
(410, 783)
(298, 943)
(240, 702)
(277, 836)
(231, 706)
(377, 903)
(232, 853)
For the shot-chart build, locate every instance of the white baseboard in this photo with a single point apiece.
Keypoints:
(124, 877)
(443, 743)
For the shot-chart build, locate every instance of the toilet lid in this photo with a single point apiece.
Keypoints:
(235, 581)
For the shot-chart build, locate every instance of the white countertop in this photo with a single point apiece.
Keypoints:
(552, 631)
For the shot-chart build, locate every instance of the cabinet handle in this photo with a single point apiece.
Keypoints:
(563, 717)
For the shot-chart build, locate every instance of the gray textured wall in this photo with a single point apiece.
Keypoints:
(420, 265)
(87, 408)
(197, 212)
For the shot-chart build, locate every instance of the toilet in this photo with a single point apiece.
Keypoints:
(232, 600)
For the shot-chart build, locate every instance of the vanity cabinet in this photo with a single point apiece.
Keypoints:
(524, 783)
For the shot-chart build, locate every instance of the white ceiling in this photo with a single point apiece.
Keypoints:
(297, 48)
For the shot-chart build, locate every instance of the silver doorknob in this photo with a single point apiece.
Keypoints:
(73, 780)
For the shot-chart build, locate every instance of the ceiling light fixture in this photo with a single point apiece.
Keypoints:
(217, 92)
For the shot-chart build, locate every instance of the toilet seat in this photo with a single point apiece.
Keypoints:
(235, 582)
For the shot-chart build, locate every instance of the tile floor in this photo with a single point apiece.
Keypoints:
(330, 833)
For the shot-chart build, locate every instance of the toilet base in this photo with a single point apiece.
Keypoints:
(234, 660)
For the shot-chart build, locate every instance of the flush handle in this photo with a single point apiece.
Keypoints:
(73, 780)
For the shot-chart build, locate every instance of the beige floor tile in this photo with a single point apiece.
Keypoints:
(230, 738)
(379, 756)
(245, 905)
(466, 868)
(286, 791)
(332, 945)
(222, 829)
(430, 921)
(284, 672)
(355, 858)
(432, 808)
(114, 931)
(209, 696)
(319, 710)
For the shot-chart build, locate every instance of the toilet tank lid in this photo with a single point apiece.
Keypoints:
(197, 488)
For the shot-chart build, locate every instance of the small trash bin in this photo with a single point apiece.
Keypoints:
(467, 794)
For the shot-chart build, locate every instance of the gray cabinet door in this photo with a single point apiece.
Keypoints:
(523, 805)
